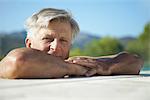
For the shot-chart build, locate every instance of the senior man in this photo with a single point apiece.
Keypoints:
(49, 36)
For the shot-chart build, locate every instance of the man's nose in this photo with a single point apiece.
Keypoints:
(54, 46)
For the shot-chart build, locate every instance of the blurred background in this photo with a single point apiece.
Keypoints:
(107, 26)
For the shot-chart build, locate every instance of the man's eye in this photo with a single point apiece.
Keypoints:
(48, 39)
(63, 41)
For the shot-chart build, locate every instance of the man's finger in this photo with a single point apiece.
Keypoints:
(85, 63)
(79, 70)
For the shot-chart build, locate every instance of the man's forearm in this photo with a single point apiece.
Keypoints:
(30, 63)
(122, 63)
(125, 63)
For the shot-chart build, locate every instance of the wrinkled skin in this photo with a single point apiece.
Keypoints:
(123, 63)
(46, 53)
(43, 56)
(95, 66)
(56, 40)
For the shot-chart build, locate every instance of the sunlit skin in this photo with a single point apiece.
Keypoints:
(44, 56)
(46, 53)
(56, 40)
(123, 63)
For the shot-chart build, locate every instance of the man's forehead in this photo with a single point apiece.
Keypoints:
(60, 26)
(53, 33)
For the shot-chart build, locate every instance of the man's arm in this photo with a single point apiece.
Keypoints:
(122, 63)
(31, 63)
(125, 63)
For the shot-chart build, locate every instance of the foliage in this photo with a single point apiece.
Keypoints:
(141, 46)
(101, 47)
(76, 52)
(109, 46)
(1, 58)
(104, 46)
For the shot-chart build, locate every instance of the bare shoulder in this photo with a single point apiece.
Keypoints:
(10, 62)
(19, 51)
(12, 53)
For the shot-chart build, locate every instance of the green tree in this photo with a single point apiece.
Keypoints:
(141, 46)
(76, 52)
(102, 47)
(145, 36)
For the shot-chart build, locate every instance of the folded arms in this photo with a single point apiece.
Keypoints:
(31, 63)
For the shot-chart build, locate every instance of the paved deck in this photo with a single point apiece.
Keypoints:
(124, 87)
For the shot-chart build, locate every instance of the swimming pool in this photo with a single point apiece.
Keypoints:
(146, 67)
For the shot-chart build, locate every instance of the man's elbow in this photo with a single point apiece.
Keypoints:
(10, 66)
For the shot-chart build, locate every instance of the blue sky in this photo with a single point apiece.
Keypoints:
(115, 18)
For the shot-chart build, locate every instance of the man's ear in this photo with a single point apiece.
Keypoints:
(28, 43)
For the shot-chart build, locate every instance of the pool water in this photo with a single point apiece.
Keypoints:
(146, 67)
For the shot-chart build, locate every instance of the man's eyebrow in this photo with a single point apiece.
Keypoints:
(63, 37)
(47, 35)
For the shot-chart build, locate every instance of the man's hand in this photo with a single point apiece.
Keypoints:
(94, 66)
(120, 64)
(76, 70)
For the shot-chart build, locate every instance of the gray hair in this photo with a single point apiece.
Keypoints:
(45, 16)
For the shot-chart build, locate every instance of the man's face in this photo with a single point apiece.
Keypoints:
(56, 40)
